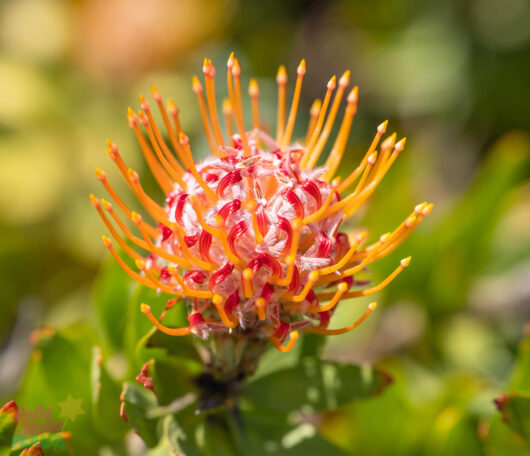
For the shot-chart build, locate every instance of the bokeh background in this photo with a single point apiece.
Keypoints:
(452, 76)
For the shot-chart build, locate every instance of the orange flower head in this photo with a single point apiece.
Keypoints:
(250, 237)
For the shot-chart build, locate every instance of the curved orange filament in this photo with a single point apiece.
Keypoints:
(169, 331)
(311, 280)
(293, 337)
(132, 274)
(128, 250)
(261, 308)
(217, 301)
(371, 308)
(344, 260)
(368, 291)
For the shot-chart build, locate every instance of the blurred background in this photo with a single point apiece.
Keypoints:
(452, 76)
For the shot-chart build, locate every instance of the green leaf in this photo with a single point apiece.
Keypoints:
(111, 297)
(173, 378)
(138, 404)
(174, 441)
(56, 444)
(275, 433)
(515, 410)
(320, 384)
(8, 425)
(58, 381)
(105, 401)
(521, 375)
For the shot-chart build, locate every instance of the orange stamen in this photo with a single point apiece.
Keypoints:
(319, 146)
(253, 91)
(281, 80)
(169, 331)
(371, 307)
(294, 105)
(209, 75)
(197, 88)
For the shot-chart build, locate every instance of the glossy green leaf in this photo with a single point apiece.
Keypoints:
(7, 427)
(58, 381)
(515, 409)
(320, 384)
(111, 297)
(56, 444)
(105, 400)
(138, 403)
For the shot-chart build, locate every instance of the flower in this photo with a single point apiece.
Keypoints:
(249, 237)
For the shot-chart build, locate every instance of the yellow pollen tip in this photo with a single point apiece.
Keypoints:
(353, 96)
(131, 116)
(372, 159)
(290, 259)
(230, 62)
(100, 174)
(136, 218)
(361, 236)
(332, 83)
(172, 270)
(419, 208)
(427, 209)
(315, 107)
(172, 107)
(184, 140)
(196, 84)
(296, 224)
(342, 287)
(405, 262)
(217, 299)
(381, 129)
(144, 103)
(247, 273)
(345, 79)
(384, 238)
(372, 306)
(143, 118)
(236, 69)
(144, 308)
(133, 175)
(205, 66)
(301, 68)
(281, 76)
(140, 264)
(107, 241)
(106, 205)
(400, 145)
(409, 221)
(388, 143)
(94, 200)
(313, 276)
(293, 335)
(253, 88)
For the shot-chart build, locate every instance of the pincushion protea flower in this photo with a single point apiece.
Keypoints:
(250, 237)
